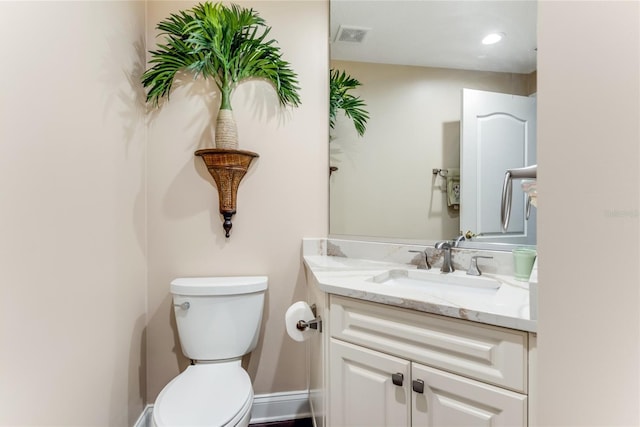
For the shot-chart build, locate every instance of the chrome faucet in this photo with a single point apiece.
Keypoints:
(457, 241)
(424, 260)
(447, 266)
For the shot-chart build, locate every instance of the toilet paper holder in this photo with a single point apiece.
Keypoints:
(315, 323)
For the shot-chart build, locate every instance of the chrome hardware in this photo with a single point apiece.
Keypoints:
(469, 235)
(473, 268)
(456, 242)
(185, 305)
(507, 191)
(418, 386)
(447, 266)
(313, 324)
(397, 379)
(425, 260)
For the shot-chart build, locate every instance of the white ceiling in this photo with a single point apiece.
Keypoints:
(433, 33)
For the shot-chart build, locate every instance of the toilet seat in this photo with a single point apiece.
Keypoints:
(207, 394)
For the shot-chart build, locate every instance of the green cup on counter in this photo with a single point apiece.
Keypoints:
(523, 259)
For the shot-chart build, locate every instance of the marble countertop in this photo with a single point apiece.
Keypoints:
(507, 306)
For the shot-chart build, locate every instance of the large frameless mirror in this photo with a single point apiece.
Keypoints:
(416, 174)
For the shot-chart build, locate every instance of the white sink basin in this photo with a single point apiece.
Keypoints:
(430, 279)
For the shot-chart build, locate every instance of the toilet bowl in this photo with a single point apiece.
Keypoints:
(218, 321)
(206, 395)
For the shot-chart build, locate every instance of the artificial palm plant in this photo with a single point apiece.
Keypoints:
(227, 44)
(340, 98)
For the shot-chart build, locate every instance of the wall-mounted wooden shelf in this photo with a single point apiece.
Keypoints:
(227, 167)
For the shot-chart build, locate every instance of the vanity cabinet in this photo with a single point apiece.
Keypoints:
(396, 367)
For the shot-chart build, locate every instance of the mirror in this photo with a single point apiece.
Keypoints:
(413, 59)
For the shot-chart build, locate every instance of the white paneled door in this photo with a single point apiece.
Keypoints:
(453, 400)
(498, 132)
(362, 390)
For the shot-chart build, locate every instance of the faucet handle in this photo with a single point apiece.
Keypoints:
(445, 244)
(457, 240)
(425, 258)
(473, 267)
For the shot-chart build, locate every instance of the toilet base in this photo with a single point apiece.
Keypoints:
(244, 422)
(207, 394)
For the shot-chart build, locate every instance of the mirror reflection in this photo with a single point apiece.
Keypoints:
(413, 60)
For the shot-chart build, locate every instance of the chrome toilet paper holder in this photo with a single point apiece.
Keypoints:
(315, 323)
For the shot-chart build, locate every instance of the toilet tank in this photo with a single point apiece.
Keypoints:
(218, 317)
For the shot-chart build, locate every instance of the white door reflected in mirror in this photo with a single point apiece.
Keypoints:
(498, 132)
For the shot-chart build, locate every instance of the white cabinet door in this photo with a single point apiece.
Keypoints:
(452, 400)
(361, 388)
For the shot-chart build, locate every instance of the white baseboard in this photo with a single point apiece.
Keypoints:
(283, 406)
(289, 405)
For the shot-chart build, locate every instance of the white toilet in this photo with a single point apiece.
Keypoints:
(218, 322)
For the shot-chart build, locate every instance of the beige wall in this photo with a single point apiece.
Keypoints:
(74, 195)
(72, 214)
(282, 199)
(384, 186)
(72, 217)
(588, 134)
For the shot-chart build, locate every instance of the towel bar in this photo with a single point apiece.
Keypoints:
(507, 191)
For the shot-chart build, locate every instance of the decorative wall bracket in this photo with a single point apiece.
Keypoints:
(227, 167)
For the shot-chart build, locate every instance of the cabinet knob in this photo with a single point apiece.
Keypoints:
(397, 379)
(418, 386)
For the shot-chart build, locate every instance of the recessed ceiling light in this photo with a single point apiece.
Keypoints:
(493, 38)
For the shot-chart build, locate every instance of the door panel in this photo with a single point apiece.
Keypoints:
(361, 389)
(498, 133)
(453, 400)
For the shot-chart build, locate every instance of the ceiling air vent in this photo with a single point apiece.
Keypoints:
(351, 34)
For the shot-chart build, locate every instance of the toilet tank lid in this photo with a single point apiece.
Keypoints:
(231, 285)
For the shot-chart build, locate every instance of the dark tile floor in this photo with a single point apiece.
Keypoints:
(302, 422)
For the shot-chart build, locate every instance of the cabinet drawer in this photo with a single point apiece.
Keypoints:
(487, 353)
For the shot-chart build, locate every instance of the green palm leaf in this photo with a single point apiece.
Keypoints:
(227, 44)
(340, 84)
